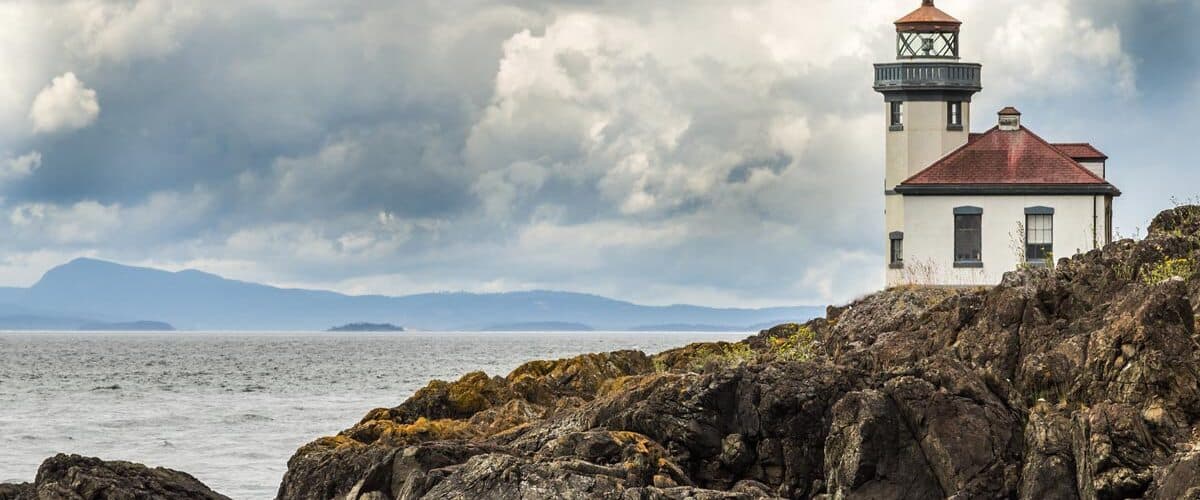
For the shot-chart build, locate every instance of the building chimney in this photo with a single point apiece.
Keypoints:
(1010, 119)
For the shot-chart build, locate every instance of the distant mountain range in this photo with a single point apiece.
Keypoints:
(94, 292)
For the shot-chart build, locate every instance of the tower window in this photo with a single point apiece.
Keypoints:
(954, 118)
(1039, 235)
(897, 115)
(897, 251)
(968, 237)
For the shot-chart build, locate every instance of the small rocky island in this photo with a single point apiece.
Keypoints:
(367, 327)
(1077, 381)
(132, 326)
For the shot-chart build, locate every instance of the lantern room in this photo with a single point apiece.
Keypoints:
(927, 33)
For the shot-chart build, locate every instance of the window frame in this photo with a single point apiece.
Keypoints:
(954, 115)
(896, 250)
(1046, 249)
(896, 115)
(961, 232)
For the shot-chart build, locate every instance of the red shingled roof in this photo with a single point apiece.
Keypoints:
(1081, 151)
(1006, 157)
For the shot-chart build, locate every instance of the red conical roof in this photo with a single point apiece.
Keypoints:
(928, 18)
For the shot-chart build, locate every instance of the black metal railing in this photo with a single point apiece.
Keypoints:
(914, 75)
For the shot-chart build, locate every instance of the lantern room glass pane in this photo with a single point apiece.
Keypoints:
(911, 45)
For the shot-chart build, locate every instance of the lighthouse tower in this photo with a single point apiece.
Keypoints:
(927, 95)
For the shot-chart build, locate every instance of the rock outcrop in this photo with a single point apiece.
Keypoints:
(1080, 381)
(75, 477)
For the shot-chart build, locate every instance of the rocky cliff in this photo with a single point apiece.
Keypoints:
(1073, 382)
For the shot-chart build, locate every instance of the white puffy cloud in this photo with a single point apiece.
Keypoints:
(1048, 48)
(65, 104)
(118, 31)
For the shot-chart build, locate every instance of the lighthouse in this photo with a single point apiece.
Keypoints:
(962, 208)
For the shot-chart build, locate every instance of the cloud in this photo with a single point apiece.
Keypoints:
(20, 167)
(65, 104)
(1051, 47)
(118, 31)
(82, 222)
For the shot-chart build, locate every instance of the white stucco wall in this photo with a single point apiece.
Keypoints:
(929, 235)
(1096, 167)
(924, 140)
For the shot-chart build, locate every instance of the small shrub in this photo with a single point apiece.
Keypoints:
(1167, 269)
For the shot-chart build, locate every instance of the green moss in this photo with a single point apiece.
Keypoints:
(1167, 269)
(796, 347)
(720, 355)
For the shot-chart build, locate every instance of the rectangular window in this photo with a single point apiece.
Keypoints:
(897, 250)
(968, 239)
(1039, 238)
(1108, 216)
(897, 115)
(954, 119)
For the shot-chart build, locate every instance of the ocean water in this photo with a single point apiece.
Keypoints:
(231, 408)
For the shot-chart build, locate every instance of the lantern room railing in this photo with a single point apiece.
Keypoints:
(932, 75)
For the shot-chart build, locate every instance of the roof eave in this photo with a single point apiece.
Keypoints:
(1007, 189)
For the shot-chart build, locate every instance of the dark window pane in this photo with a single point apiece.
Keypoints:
(897, 113)
(897, 251)
(968, 238)
(954, 114)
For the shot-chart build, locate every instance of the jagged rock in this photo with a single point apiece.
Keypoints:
(76, 477)
(500, 476)
(1180, 479)
(1180, 220)
(332, 467)
(871, 453)
(1081, 381)
(1050, 471)
(17, 491)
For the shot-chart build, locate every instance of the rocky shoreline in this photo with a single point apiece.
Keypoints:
(1081, 381)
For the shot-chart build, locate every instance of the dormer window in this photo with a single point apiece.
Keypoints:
(954, 115)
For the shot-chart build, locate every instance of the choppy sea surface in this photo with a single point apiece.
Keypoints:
(231, 408)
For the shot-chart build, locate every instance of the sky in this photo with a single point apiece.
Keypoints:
(714, 152)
